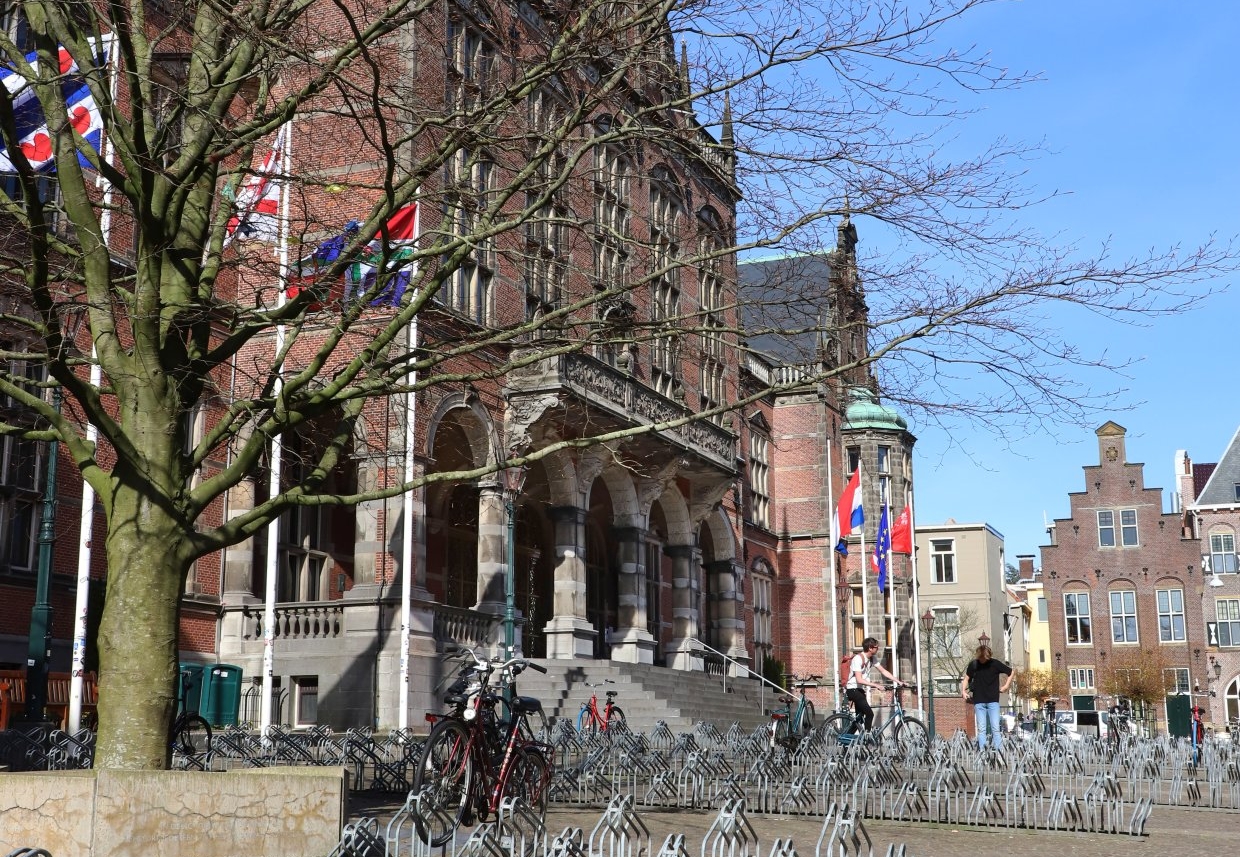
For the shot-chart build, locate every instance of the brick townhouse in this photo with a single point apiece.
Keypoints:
(1124, 588)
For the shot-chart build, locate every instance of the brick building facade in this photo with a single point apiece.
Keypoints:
(1124, 589)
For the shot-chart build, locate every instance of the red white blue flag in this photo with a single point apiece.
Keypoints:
(848, 515)
(33, 135)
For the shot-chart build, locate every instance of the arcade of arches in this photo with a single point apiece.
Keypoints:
(609, 564)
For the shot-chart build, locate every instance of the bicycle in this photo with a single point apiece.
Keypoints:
(1196, 732)
(188, 728)
(788, 727)
(473, 759)
(907, 731)
(1050, 725)
(590, 719)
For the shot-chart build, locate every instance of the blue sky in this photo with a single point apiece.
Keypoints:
(1138, 113)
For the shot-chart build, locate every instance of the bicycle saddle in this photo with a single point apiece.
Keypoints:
(611, 694)
(526, 704)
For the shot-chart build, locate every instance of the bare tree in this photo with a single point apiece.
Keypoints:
(819, 115)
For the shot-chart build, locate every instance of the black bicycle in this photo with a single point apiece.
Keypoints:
(191, 733)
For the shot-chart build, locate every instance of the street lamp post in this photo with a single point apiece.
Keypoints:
(514, 481)
(927, 621)
(40, 643)
(39, 649)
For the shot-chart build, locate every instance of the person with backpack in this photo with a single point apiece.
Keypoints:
(985, 678)
(859, 680)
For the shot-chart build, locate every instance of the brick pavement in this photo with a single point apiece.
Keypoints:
(1174, 832)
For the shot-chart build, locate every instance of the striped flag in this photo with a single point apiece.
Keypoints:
(849, 515)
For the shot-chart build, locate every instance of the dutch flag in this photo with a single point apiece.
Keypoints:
(849, 515)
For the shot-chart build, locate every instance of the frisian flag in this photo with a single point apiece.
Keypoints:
(256, 212)
(34, 136)
(360, 276)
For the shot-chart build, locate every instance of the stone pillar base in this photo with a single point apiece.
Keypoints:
(633, 646)
(683, 654)
(740, 664)
(569, 639)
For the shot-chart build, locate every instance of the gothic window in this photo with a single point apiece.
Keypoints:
(713, 325)
(759, 478)
(546, 257)
(468, 184)
(665, 213)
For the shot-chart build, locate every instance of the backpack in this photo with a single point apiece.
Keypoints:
(845, 669)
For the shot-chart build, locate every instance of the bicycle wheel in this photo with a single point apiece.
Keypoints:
(805, 722)
(616, 720)
(528, 777)
(445, 770)
(585, 723)
(911, 734)
(191, 735)
(837, 724)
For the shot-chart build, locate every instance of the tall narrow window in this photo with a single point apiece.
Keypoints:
(1106, 528)
(1124, 616)
(943, 555)
(1081, 679)
(946, 634)
(612, 177)
(665, 212)
(1128, 527)
(468, 183)
(762, 637)
(654, 589)
(471, 64)
(711, 296)
(1077, 619)
(1170, 615)
(759, 478)
(545, 233)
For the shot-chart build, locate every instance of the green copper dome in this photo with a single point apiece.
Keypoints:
(864, 412)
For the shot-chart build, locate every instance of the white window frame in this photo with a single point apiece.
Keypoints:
(944, 561)
(948, 643)
(305, 689)
(760, 478)
(1176, 680)
(1077, 624)
(1227, 613)
(1081, 679)
(1128, 528)
(763, 591)
(1106, 528)
(1223, 552)
(1171, 615)
(1124, 626)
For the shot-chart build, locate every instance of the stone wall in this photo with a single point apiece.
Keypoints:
(285, 812)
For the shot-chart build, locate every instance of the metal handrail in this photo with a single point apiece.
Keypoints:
(761, 678)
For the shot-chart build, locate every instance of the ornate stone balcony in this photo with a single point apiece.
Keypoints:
(618, 393)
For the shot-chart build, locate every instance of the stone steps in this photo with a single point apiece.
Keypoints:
(648, 694)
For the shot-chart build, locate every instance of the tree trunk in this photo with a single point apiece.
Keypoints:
(138, 634)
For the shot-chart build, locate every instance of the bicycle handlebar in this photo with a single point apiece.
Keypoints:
(596, 683)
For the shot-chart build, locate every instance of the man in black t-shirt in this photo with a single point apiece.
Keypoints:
(985, 678)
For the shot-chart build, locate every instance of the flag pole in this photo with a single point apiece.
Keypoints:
(407, 504)
(833, 557)
(889, 593)
(277, 453)
(865, 580)
(86, 520)
(912, 536)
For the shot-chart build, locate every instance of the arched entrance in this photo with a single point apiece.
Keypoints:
(534, 566)
(452, 511)
(601, 574)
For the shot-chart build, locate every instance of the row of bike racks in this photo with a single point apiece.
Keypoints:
(619, 832)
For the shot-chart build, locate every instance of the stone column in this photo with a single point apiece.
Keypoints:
(728, 604)
(631, 642)
(492, 545)
(569, 634)
(682, 653)
(239, 558)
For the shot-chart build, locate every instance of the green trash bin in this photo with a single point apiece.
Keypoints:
(189, 695)
(221, 694)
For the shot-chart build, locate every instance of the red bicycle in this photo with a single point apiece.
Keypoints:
(591, 719)
(476, 756)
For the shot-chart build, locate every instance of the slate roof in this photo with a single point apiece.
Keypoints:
(1220, 487)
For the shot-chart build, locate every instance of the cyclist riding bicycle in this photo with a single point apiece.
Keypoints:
(859, 680)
